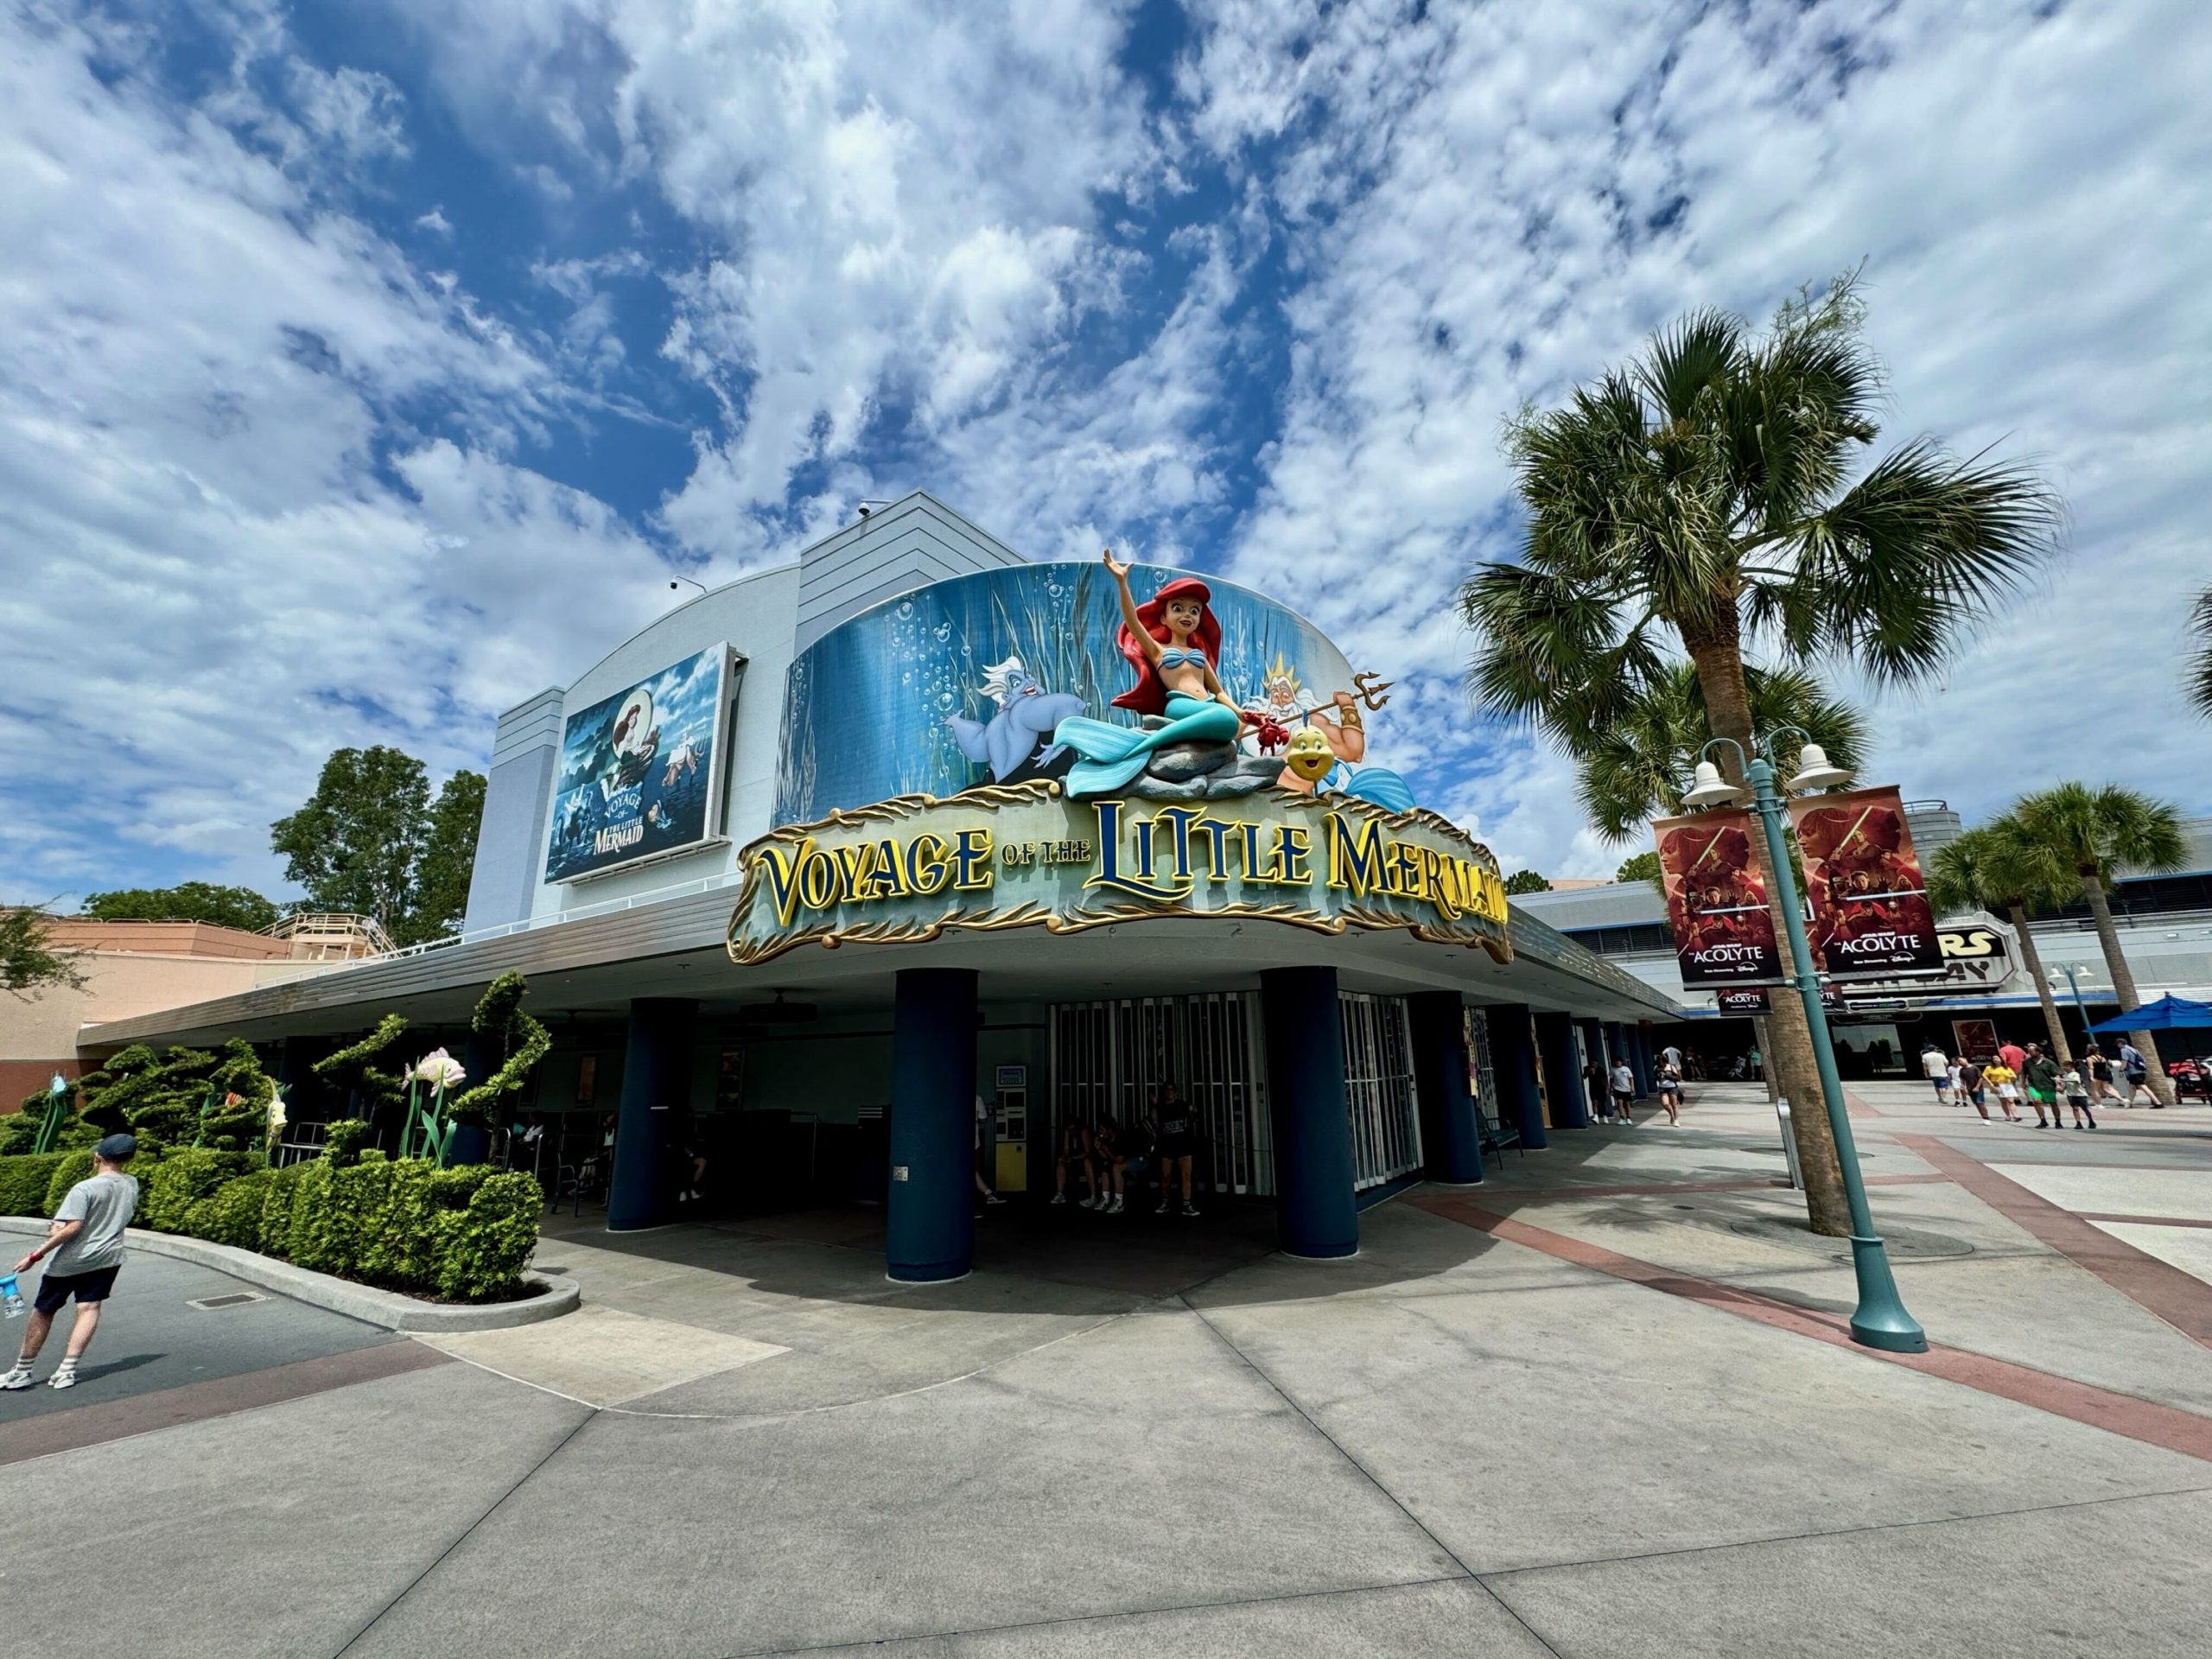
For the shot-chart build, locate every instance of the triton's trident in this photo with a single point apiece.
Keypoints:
(1375, 695)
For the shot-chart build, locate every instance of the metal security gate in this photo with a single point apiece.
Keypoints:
(1108, 1057)
(1379, 1088)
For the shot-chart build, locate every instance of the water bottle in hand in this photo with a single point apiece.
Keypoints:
(11, 1300)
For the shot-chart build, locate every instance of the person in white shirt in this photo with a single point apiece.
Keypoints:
(1935, 1067)
(1624, 1083)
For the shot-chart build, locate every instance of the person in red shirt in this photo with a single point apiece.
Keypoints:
(2014, 1055)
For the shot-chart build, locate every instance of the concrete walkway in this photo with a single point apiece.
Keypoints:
(1595, 1406)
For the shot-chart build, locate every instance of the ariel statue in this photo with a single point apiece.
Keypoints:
(1174, 644)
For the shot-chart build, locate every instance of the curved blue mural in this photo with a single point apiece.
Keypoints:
(961, 683)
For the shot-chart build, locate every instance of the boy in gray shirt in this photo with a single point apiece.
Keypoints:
(86, 1243)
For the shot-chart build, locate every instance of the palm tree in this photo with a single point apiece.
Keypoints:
(1994, 867)
(1700, 497)
(2087, 832)
(1636, 768)
(2200, 677)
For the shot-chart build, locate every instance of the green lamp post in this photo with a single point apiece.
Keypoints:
(1880, 1319)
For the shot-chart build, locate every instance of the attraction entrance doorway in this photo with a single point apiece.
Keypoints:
(1109, 1058)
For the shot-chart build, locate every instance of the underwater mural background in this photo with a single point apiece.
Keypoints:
(868, 706)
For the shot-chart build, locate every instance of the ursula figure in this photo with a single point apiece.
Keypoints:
(1173, 643)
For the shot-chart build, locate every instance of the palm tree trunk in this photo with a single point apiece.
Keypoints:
(2033, 963)
(1765, 1046)
(2123, 981)
(1719, 658)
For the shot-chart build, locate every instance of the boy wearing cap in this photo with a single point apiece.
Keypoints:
(85, 1244)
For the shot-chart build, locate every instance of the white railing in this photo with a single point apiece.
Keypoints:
(698, 884)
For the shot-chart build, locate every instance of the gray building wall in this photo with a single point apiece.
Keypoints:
(517, 794)
(908, 544)
(767, 618)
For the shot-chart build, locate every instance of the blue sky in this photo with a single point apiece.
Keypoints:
(369, 368)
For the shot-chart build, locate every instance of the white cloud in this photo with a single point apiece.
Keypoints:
(211, 580)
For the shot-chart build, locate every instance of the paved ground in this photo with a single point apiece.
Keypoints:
(1598, 1406)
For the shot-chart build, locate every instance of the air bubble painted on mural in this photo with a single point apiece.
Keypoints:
(1030, 672)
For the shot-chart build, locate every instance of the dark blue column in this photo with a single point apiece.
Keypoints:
(1315, 1214)
(1616, 1050)
(656, 1089)
(1562, 1074)
(929, 1219)
(1513, 1057)
(1640, 1048)
(1452, 1149)
(479, 1057)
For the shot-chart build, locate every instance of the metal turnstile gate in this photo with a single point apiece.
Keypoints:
(1108, 1056)
(1379, 1088)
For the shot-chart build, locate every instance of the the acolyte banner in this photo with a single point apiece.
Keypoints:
(1871, 915)
(1716, 900)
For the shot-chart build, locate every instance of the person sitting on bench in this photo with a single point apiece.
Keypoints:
(1112, 1167)
(1075, 1153)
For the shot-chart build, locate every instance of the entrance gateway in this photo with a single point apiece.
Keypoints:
(1109, 1059)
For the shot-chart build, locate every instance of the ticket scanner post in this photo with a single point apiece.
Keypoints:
(1010, 1122)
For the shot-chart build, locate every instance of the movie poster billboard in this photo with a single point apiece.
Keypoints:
(1716, 900)
(639, 771)
(1871, 915)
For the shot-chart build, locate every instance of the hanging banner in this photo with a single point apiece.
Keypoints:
(1716, 900)
(1871, 915)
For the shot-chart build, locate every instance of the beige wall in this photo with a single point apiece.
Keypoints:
(38, 1035)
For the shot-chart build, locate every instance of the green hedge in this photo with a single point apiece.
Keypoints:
(24, 1180)
(463, 1234)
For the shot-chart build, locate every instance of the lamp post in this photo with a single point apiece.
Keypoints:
(2074, 984)
(1880, 1319)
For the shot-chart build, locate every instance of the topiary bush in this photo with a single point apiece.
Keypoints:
(341, 1141)
(73, 1167)
(24, 1180)
(232, 1214)
(182, 1180)
(276, 1200)
(483, 1249)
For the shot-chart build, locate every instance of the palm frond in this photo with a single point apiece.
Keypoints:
(1902, 567)
(2198, 686)
(1688, 361)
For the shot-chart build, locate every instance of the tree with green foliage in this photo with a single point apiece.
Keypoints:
(1527, 881)
(2198, 686)
(1643, 866)
(372, 842)
(2089, 833)
(28, 959)
(1703, 497)
(185, 1097)
(1637, 767)
(187, 902)
(1993, 867)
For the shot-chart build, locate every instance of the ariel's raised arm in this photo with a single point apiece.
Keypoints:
(1130, 619)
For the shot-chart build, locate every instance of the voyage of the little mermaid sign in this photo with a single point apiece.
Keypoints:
(1021, 855)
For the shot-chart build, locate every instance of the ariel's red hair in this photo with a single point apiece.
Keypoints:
(1149, 695)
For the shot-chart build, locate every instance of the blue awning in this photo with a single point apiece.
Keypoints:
(2167, 1013)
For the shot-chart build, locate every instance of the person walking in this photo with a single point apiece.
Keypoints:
(1935, 1067)
(1594, 1083)
(2003, 1078)
(86, 1243)
(2099, 1065)
(1670, 1092)
(2077, 1096)
(2013, 1056)
(2137, 1070)
(1754, 1066)
(1972, 1089)
(1624, 1083)
(1179, 1143)
(2041, 1077)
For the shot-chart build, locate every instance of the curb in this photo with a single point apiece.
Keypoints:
(391, 1309)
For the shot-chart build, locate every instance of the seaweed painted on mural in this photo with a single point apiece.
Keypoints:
(960, 684)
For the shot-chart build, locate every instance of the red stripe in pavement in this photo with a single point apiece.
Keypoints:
(2181, 1300)
(1771, 1182)
(218, 1397)
(2142, 1221)
(2121, 1413)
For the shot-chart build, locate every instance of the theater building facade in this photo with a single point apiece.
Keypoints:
(884, 866)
